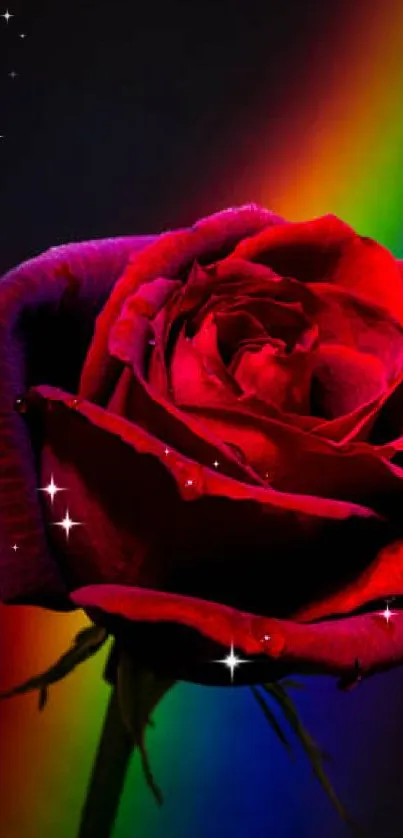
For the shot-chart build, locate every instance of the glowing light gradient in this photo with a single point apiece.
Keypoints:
(220, 767)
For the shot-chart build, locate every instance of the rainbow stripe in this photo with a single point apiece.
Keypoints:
(347, 155)
(222, 771)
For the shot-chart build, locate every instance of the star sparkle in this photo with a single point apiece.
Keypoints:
(232, 661)
(387, 613)
(13, 74)
(7, 15)
(51, 489)
(15, 547)
(67, 523)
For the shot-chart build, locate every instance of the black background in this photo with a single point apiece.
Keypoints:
(128, 118)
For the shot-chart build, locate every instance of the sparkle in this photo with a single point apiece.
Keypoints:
(67, 523)
(13, 74)
(15, 547)
(51, 489)
(166, 451)
(7, 15)
(22, 35)
(232, 661)
(189, 482)
(387, 614)
(216, 464)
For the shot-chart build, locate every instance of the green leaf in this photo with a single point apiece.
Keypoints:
(271, 718)
(313, 751)
(139, 691)
(86, 643)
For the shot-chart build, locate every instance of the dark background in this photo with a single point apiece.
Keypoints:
(136, 117)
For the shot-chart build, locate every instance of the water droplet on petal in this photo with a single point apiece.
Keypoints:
(272, 643)
(192, 483)
(21, 404)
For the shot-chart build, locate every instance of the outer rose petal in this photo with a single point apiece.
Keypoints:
(47, 310)
(154, 520)
(334, 647)
(383, 578)
(328, 250)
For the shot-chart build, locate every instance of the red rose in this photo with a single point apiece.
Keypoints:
(227, 440)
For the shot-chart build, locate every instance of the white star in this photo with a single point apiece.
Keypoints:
(13, 74)
(232, 661)
(387, 614)
(166, 451)
(7, 15)
(51, 489)
(216, 464)
(22, 35)
(67, 523)
(15, 548)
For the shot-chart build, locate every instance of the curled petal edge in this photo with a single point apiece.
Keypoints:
(330, 647)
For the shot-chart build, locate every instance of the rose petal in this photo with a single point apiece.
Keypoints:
(153, 519)
(374, 422)
(303, 463)
(340, 314)
(196, 379)
(381, 579)
(284, 380)
(328, 250)
(355, 646)
(343, 318)
(173, 252)
(345, 379)
(138, 400)
(48, 306)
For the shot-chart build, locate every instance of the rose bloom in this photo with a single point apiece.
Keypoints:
(221, 409)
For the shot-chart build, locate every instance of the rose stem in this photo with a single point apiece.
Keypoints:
(108, 776)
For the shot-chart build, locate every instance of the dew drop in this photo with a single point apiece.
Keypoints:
(272, 643)
(21, 404)
(192, 482)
